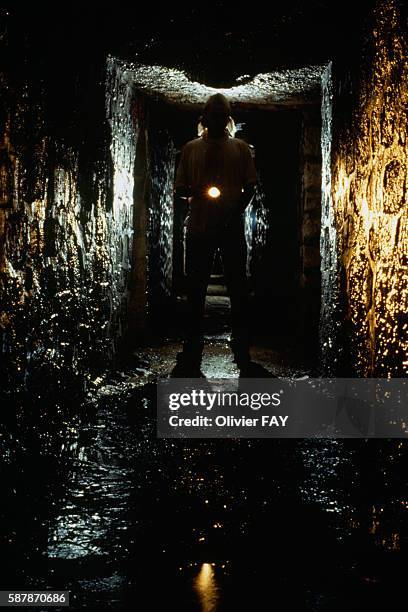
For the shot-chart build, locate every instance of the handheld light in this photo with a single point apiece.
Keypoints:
(214, 192)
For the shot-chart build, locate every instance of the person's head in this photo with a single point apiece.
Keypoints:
(216, 114)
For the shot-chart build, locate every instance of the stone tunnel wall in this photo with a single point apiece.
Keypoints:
(310, 159)
(364, 219)
(162, 156)
(64, 237)
(256, 230)
(151, 276)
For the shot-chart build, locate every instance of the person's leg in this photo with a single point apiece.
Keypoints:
(234, 256)
(199, 259)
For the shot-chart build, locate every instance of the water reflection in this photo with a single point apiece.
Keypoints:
(120, 501)
(206, 586)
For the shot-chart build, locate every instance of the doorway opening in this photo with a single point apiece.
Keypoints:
(282, 223)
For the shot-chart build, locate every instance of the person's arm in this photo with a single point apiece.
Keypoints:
(249, 180)
(247, 195)
(183, 191)
(182, 186)
(249, 177)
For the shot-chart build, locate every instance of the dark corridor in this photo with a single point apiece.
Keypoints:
(285, 301)
(95, 106)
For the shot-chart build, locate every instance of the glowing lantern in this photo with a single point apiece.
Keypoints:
(214, 192)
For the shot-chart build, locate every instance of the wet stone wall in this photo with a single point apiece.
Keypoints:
(151, 277)
(256, 230)
(64, 242)
(310, 215)
(329, 313)
(365, 230)
(311, 167)
(162, 155)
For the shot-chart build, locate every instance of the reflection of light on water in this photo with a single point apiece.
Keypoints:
(206, 587)
(75, 536)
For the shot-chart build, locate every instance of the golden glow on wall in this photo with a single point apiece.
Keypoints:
(369, 186)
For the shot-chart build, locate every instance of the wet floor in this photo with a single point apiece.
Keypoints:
(127, 521)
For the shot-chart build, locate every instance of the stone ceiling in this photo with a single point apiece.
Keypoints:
(294, 87)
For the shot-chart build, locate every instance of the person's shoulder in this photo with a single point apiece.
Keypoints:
(244, 146)
(191, 144)
(239, 142)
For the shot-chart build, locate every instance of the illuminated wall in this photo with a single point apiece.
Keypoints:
(162, 156)
(151, 276)
(364, 243)
(65, 237)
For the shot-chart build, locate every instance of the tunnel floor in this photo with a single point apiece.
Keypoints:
(101, 507)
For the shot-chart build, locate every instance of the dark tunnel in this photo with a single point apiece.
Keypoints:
(278, 228)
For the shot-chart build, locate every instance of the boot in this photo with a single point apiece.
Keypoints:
(247, 367)
(188, 361)
(241, 353)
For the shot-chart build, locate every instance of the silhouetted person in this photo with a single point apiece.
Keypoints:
(217, 174)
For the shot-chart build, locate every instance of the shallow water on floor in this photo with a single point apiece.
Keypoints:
(105, 509)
